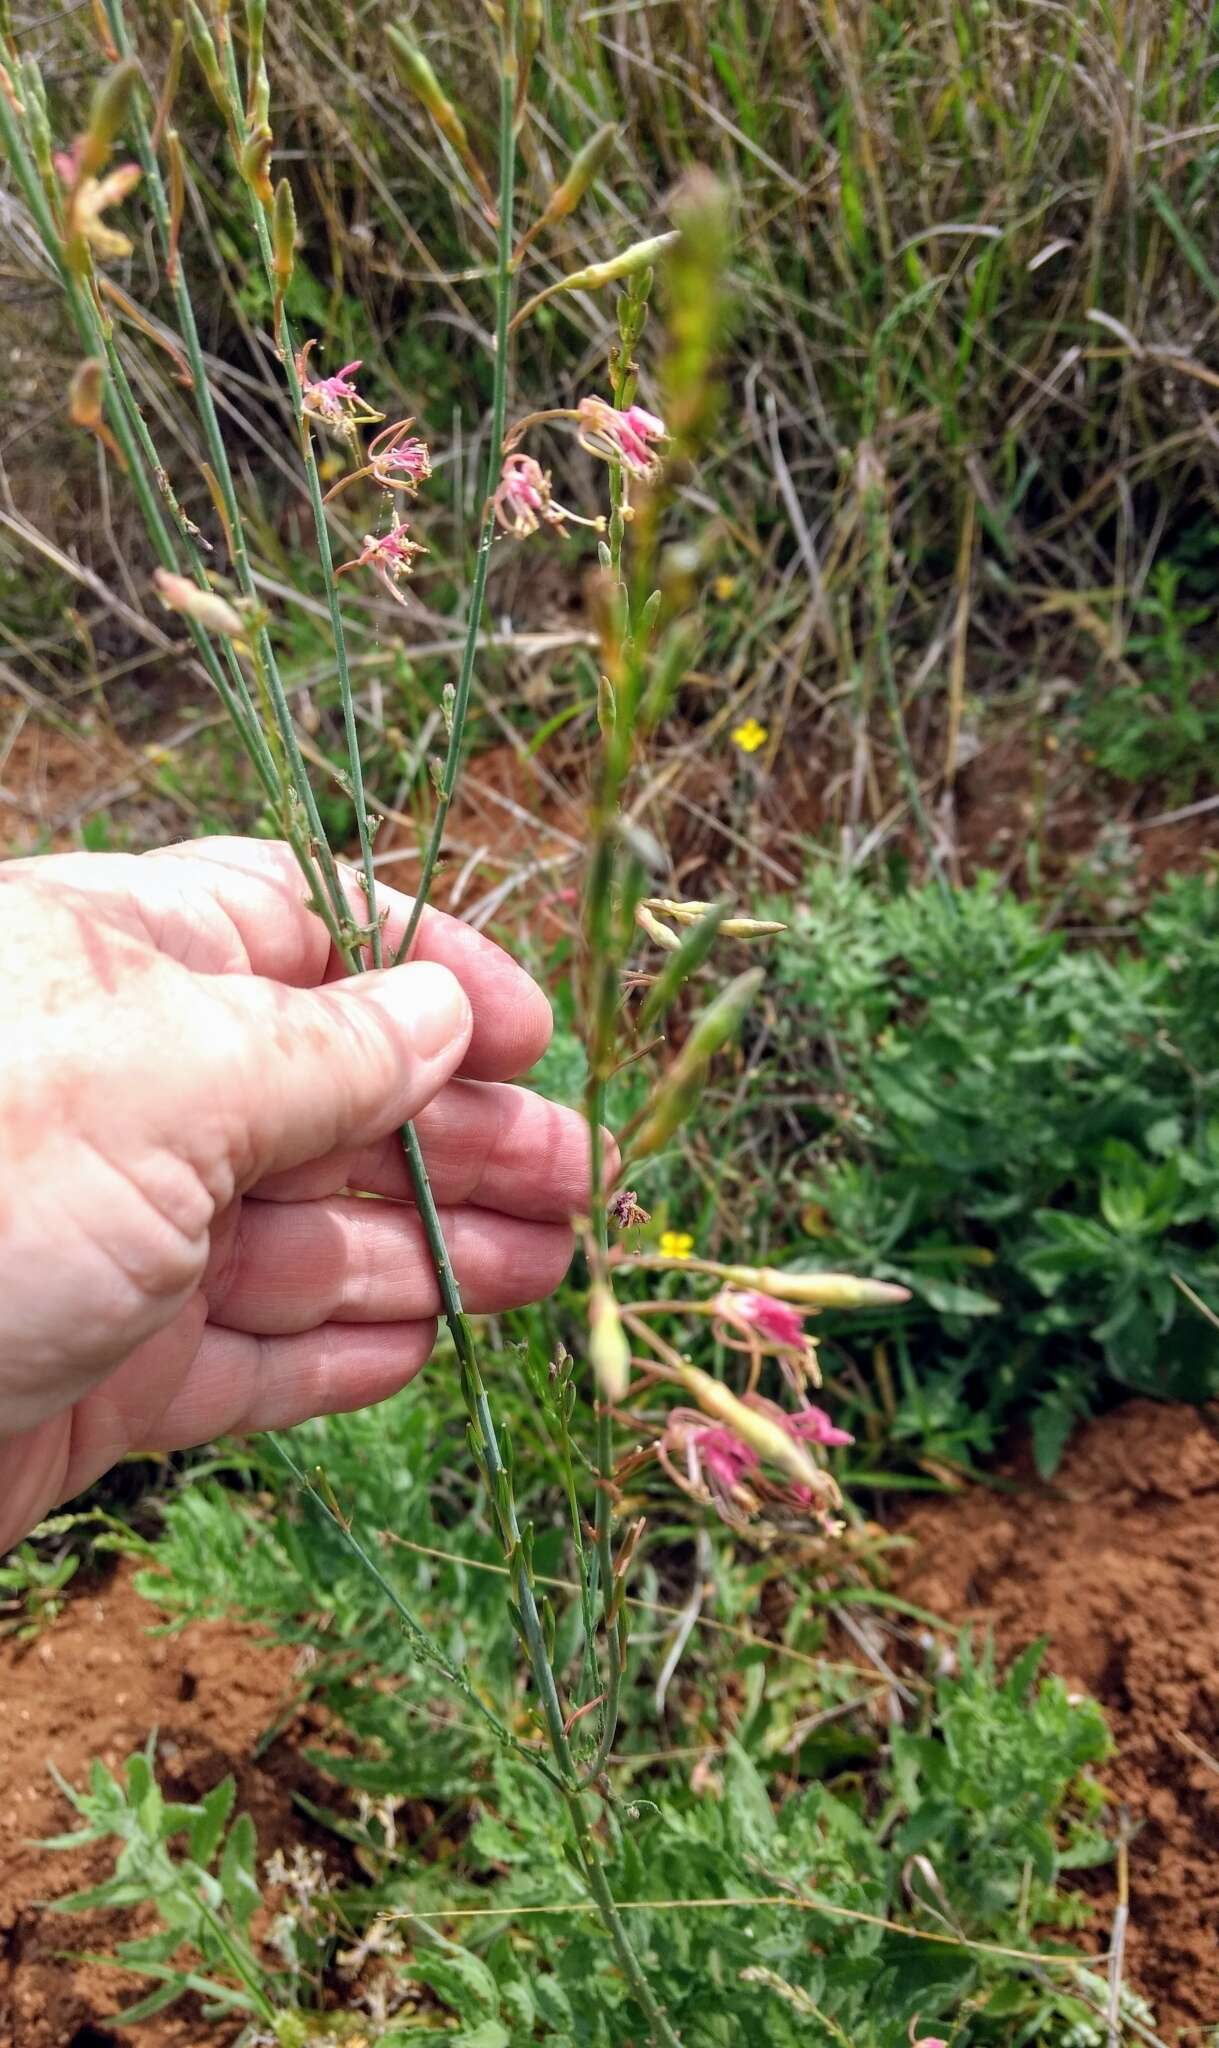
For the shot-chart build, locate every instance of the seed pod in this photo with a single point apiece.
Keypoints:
(206, 607)
(608, 1350)
(110, 103)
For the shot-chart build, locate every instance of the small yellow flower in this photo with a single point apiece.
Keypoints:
(750, 736)
(676, 1244)
(724, 588)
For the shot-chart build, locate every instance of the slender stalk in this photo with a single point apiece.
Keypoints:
(218, 455)
(601, 1002)
(482, 563)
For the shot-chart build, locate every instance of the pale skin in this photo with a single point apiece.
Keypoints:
(194, 1106)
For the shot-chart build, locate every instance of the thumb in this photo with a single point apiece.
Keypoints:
(313, 1069)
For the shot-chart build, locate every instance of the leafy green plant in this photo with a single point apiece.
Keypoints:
(1024, 1131)
(32, 1586)
(1158, 719)
(931, 1888)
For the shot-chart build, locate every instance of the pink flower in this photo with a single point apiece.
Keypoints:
(624, 437)
(397, 458)
(523, 501)
(777, 1321)
(522, 497)
(811, 1425)
(333, 400)
(723, 1457)
(391, 554)
(710, 1463)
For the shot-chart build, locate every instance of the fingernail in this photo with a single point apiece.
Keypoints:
(439, 1008)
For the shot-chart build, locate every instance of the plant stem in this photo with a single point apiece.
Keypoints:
(482, 563)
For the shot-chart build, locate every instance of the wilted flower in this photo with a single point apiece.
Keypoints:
(90, 198)
(206, 607)
(391, 554)
(625, 437)
(749, 736)
(625, 1211)
(523, 500)
(333, 400)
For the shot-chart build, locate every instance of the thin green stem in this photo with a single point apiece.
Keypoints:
(218, 455)
(478, 590)
(425, 1646)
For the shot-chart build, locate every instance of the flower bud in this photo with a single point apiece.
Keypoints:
(625, 264)
(205, 607)
(679, 1089)
(817, 1290)
(759, 1432)
(581, 171)
(110, 103)
(608, 1349)
(205, 53)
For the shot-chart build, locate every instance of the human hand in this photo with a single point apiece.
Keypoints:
(186, 1088)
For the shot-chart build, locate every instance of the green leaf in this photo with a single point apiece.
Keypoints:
(212, 1819)
(238, 1882)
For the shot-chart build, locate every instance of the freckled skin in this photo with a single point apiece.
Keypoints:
(192, 1103)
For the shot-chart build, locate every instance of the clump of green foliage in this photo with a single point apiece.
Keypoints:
(1022, 1129)
(849, 1883)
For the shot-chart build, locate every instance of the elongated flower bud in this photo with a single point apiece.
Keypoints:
(608, 1349)
(679, 1089)
(816, 1290)
(205, 53)
(759, 1432)
(416, 71)
(639, 256)
(690, 954)
(206, 607)
(283, 243)
(581, 171)
(110, 105)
